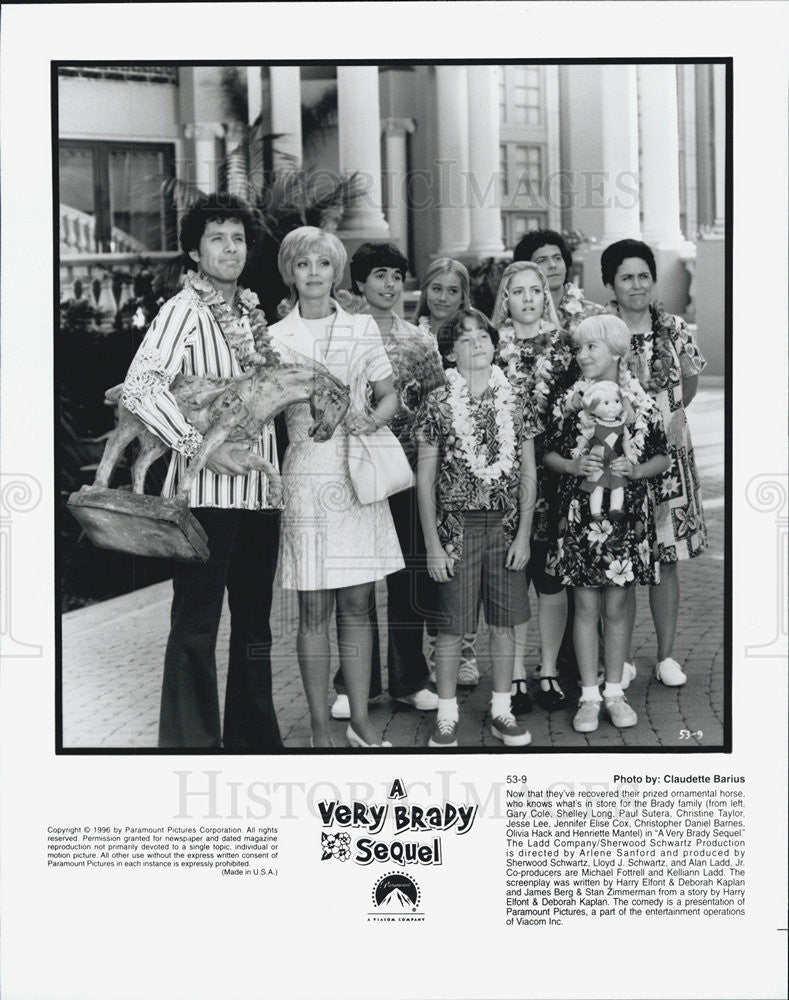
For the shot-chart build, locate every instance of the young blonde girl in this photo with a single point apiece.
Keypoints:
(538, 358)
(446, 289)
(599, 558)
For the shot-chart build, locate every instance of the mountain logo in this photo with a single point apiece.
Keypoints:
(396, 892)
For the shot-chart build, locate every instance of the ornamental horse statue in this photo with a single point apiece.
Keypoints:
(233, 409)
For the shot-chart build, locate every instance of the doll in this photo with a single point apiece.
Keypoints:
(603, 421)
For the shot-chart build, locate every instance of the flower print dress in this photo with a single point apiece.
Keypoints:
(541, 369)
(660, 360)
(598, 552)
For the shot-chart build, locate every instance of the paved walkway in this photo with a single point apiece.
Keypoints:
(113, 652)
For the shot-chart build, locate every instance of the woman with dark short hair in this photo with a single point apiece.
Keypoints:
(664, 358)
(378, 271)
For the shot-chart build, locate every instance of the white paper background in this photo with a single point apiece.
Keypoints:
(108, 935)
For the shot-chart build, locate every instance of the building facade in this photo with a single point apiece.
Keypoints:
(453, 160)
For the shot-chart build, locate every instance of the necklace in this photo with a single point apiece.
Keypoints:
(463, 424)
(247, 334)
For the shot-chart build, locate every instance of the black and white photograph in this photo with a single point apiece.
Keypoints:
(393, 500)
(405, 567)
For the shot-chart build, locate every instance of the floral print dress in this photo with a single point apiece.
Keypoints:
(660, 360)
(598, 552)
(540, 369)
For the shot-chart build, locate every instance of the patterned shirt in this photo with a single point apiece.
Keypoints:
(185, 338)
(417, 367)
(573, 308)
(457, 488)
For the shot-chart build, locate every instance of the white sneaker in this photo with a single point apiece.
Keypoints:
(628, 675)
(424, 700)
(670, 673)
(468, 672)
(341, 709)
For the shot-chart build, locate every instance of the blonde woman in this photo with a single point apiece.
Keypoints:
(538, 358)
(332, 547)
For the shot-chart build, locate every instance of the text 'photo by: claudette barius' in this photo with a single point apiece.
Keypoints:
(392, 407)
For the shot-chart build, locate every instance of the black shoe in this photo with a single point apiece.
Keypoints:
(521, 702)
(552, 699)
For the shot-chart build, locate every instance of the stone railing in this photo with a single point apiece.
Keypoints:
(78, 234)
(105, 280)
(147, 74)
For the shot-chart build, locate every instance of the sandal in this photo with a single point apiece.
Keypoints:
(551, 699)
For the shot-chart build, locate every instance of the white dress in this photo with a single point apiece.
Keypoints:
(327, 538)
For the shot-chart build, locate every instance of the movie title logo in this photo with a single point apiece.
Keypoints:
(370, 819)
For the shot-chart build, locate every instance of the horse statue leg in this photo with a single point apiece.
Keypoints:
(151, 448)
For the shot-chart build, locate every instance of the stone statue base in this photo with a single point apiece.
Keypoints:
(139, 524)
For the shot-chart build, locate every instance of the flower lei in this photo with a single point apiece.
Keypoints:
(632, 391)
(514, 353)
(464, 426)
(572, 301)
(247, 336)
(653, 355)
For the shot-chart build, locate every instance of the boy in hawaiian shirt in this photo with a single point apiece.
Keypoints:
(476, 483)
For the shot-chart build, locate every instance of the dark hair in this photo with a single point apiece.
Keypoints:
(451, 330)
(613, 256)
(537, 238)
(370, 256)
(216, 208)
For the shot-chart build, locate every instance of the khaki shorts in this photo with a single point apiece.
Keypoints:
(480, 575)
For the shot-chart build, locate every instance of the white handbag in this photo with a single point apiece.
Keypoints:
(378, 465)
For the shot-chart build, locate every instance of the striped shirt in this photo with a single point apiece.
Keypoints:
(185, 339)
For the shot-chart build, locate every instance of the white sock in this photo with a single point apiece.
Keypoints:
(500, 704)
(590, 693)
(448, 709)
(613, 690)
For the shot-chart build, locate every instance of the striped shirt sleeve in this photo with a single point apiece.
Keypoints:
(146, 389)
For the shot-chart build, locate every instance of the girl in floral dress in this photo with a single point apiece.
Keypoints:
(446, 288)
(538, 358)
(599, 558)
(664, 357)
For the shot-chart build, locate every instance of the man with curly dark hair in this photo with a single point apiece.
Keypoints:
(197, 333)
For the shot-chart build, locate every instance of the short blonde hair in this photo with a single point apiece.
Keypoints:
(445, 265)
(310, 239)
(612, 330)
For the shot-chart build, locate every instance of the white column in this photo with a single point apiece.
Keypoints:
(254, 93)
(205, 137)
(360, 147)
(484, 160)
(719, 135)
(659, 182)
(452, 160)
(395, 177)
(285, 89)
(617, 194)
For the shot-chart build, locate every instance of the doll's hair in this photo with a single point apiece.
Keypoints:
(445, 265)
(501, 310)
